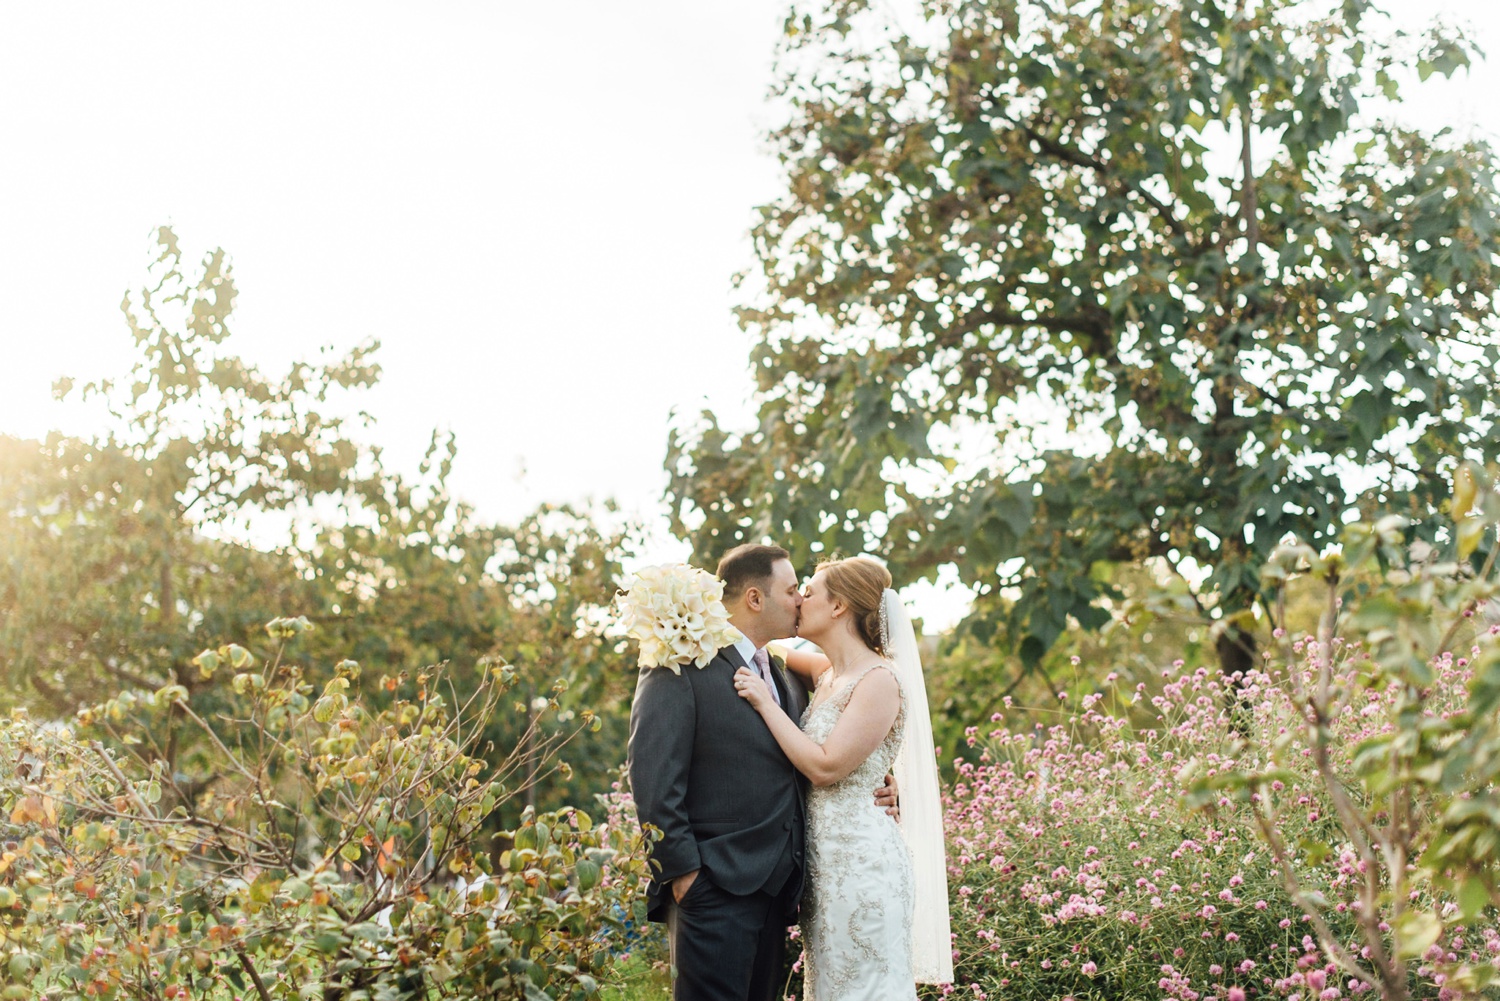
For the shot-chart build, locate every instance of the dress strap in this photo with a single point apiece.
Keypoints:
(846, 693)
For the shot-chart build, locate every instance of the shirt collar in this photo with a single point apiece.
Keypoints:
(746, 647)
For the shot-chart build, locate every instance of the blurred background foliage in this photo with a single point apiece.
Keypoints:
(122, 557)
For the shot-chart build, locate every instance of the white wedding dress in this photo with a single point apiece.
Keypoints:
(860, 893)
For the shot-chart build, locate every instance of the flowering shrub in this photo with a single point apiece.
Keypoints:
(315, 848)
(1079, 868)
(1411, 791)
(1324, 827)
(634, 936)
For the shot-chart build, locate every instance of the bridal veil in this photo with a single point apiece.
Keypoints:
(921, 801)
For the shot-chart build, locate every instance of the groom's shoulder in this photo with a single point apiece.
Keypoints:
(725, 662)
(724, 659)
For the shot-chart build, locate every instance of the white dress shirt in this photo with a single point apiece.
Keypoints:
(748, 650)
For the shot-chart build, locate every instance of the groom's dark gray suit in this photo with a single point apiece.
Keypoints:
(705, 769)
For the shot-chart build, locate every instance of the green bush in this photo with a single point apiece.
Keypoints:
(312, 849)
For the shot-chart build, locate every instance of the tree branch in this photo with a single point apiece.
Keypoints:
(1079, 158)
(252, 973)
(1293, 884)
(1093, 326)
(59, 700)
(1249, 199)
(130, 677)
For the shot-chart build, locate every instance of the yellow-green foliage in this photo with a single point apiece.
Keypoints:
(313, 846)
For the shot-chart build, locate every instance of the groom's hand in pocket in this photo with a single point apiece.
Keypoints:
(683, 883)
(888, 798)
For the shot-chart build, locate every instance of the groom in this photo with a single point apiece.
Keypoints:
(706, 771)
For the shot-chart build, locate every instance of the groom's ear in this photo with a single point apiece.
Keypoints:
(754, 598)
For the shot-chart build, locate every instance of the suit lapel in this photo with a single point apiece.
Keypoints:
(783, 688)
(732, 654)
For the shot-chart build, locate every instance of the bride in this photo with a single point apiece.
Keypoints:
(868, 894)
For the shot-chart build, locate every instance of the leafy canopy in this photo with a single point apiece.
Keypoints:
(1056, 283)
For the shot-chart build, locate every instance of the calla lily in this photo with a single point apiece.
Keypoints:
(677, 613)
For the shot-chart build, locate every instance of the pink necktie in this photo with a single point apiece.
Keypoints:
(762, 662)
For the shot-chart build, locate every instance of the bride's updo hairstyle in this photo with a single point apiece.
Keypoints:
(859, 582)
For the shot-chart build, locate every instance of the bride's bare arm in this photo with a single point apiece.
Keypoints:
(866, 720)
(805, 664)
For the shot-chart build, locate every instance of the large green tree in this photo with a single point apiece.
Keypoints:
(1061, 282)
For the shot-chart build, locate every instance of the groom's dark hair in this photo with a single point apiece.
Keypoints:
(745, 566)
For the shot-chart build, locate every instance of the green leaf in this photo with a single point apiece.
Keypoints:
(1473, 897)
(589, 874)
(207, 663)
(263, 889)
(1465, 489)
(327, 942)
(21, 965)
(1416, 931)
(1470, 532)
(1369, 411)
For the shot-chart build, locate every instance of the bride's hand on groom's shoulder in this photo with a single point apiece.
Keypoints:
(749, 686)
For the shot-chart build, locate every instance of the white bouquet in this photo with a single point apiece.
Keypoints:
(677, 613)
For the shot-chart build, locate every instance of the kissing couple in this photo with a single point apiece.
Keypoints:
(775, 792)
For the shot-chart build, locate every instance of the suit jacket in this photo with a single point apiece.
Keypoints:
(705, 770)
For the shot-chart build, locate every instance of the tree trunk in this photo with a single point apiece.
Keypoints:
(1237, 652)
(1237, 655)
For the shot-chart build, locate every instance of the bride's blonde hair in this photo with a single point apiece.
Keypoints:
(859, 582)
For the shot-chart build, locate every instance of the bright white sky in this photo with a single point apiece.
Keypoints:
(536, 208)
